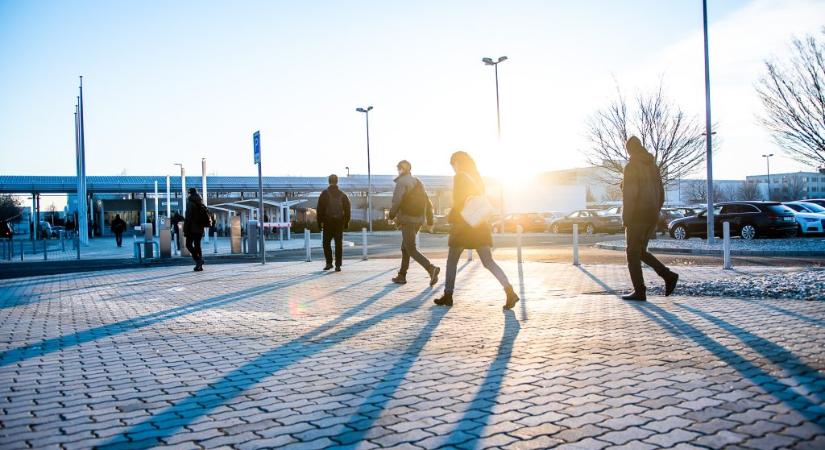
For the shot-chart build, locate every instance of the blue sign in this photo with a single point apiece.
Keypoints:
(256, 146)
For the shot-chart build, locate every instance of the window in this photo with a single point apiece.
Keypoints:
(574, 214)
(797, 208)
(730, 209)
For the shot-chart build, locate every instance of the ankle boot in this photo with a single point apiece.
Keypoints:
(444, 300)
(512, 298)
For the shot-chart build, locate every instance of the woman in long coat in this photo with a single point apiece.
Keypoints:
(468, 183)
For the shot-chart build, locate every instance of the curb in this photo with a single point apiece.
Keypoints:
(693, 251)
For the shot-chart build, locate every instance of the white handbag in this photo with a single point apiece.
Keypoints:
(477, 210)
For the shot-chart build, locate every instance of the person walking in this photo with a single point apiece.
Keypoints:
(411, 208)
(197, 218)
(642, 198)
(467, 184)
(175, 220)
(333, 218)
(118, 227)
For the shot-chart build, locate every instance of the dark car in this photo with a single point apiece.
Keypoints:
(818, 201)
(688, 211)
(667, 215)
(748, 220)
(529, 222)
(590, 221)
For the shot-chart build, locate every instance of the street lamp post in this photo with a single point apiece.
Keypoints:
(490, 62)
(369, 171)
(768, 161)
(182, 189)
(347, 167)
(708, 126)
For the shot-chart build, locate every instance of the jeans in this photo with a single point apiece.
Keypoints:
(119, 239)
(637, 237)
(193, 244)
(487, 261)
(408, 249)
(333, 229)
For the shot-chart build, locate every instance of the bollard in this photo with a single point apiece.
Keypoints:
(45, 249)
(417, 240)
(76, 242)
(575, 244)
(215, 241)
(243, 244)
(726, 246)
(364, 244)
(134, 247)
(34, 247)
(519, 231)
(62, 241)
(21, 250)
(307, 245)
(281, 237)
(469, 255)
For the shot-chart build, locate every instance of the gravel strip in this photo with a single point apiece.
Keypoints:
(788, 247)
(808, 284)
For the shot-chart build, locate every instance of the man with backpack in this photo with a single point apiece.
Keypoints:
(411, 208)
(197, 218)
(333, 217)
(118, 227)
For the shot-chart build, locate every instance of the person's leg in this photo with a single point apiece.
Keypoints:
(339, 245)
(635, 237)
(198, 254)
(405, 255)
(453, 256)
(190, 245)
(409, 231)
(651, 260)
(327, 238)
(486, 256)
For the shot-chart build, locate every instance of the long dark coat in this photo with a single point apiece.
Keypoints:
(462, 235)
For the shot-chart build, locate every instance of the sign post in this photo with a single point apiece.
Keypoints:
(256, 148)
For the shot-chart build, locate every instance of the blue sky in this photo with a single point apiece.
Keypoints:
(176, 81)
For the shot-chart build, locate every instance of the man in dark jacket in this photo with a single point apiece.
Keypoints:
(118, 227)
(197, 218)
(643, 196)
(333, 217)
(411, 208)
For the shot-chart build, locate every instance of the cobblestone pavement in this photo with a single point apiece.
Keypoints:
(284, 355)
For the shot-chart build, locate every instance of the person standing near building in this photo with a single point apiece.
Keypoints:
(197, 218)
(118, 227)
(467, 184)
(174, 221)
(333, 217)
(411, 208)
(643, 195)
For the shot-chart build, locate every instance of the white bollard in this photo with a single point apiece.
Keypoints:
(575, 244)
(469, 255)
(519, 231)
(307, 245)
(726, 246)
(215, 242)
(417, 240)
(364, 244)
(45, 249)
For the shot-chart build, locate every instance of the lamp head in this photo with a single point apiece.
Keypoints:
(503, 58)
(488, 61)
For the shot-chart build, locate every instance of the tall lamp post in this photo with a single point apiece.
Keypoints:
(182, 189)
(768, 161)
(708, 134)
(490, 62)
(366, 112)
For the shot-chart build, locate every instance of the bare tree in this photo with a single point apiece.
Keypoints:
(676, 141)
(612, 193)
(697, 191)
(793, 95)
(10, 209)
(749, 190)
(725, 193)
(793, 188)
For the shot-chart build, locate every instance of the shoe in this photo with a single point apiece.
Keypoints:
(635, 296)
(328, 266)
(400, 279)
(512, 298)
(338, 268)
(670, 284)
(444, 300)
(198, 267)
(434, 275)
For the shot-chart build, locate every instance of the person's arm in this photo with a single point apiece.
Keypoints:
(347, 210)
(459, 196)
(322, 208)
(397, 197)
(630, 193)
(429, 211)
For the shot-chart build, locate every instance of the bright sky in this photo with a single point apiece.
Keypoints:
(170, 82)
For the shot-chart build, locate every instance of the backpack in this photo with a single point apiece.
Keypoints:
(415, 201)
(335, 206)
(202, 217)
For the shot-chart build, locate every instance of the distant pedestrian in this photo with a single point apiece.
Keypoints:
(333, 217)
(175, 221)
(118, 227)
(643, 196)
(411, 208)
(468, 192)
(197, 218)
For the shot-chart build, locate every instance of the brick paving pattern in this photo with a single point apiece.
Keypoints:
(283, 356)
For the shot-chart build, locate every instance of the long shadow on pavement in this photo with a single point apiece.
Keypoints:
(146, 434)
(773, 385)
(81, 337)
(796, 315)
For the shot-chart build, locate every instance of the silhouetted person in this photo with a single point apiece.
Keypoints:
(333, 218)
(197, 218)
(174, 221)
(467, 183)
(118, 226)
(643, 196)
(411, 208)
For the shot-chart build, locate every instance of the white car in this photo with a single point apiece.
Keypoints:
(809, 216)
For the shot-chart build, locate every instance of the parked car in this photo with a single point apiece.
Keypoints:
(530, 222)
(667, 215)
(687, 211)
(748, 220)
(810, 217)
(549, 217)
(816, 201)
(6, 230)
(46, 230)
(590, 221)
(440, 224)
